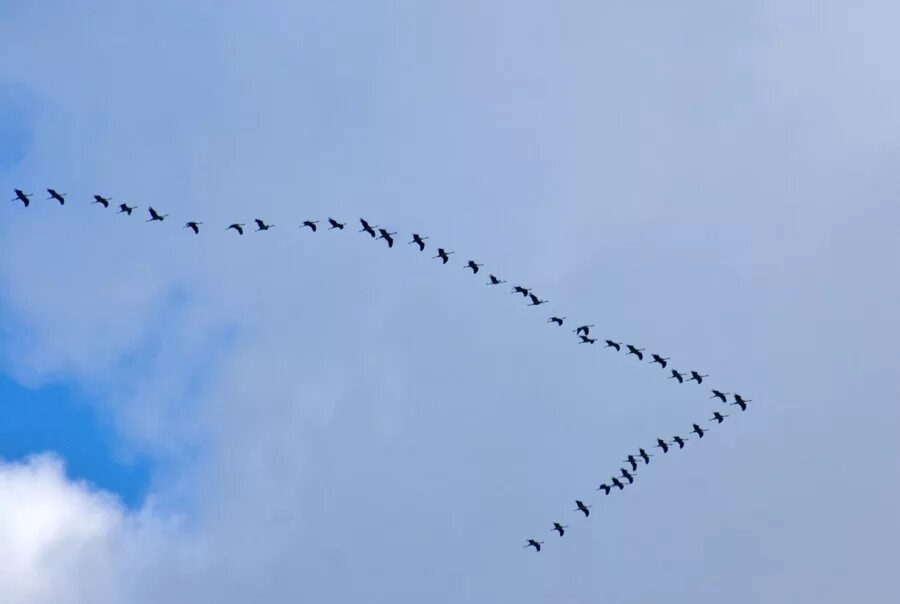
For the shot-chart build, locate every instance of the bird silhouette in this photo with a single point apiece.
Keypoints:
(739, 399)
(720, 395)
(495, 280)
(474, 266)
(645, 456)
(696, 377)
(194, 226)
(583, 329)
(661, 444)
(521, 290)
(557, 320)
(617, 483)
(587, 340)
(611, 344)
(676, 376)
(22, 196)
(261, 225)
(535, 301)
(559, 528)
(605, 488)
(627, 475)
(677, 440)
(367, 228)
(102, 200)
(335, 224)
(580, 507)
(535, 544)
(635, 351)
(126, 209)
(237, 226)
(740, 403)
(310, 224)
(718, 417)
(443, 255)
(660, 360)
(631, 460)
(419, 240)
(60, 197)
(699, 431)
(156, 216)
(387, 237)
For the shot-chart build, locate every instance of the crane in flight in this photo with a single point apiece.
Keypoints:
(611, 344)
(617, 483)
(418, 240)
(696, 377)
(521, 290)
(194, 226)
(645, 456)
(535, 301)
(631, 460)
(387, 236)
(557, 320)
(335, 224)
(103, 201)
(722, 396)
(367, 228)
(535, 544)
(638, 352)
(22, 196)
(676, 376)
(740, 402)
(587, 340)
(718, 417)
(583, 329)
(311, 225)
(605, 488)
(60, 197)
(699, 431)
(677, 440)
(627, 475)
(238, 227)
(474, 266)
(262, 226)
(661, 444)
(443, 255)
(662, 361)
(560, 528)
(156, 216)
(124, 208)
(495, 280)
(580, 507)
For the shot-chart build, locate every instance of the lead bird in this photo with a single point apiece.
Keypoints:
(676, 376)
(238, 227)
(586, 340)
(611, 344)
(580, 507)
(662, 361)
(443, 255)
(418, 240)
(474, 266)
(557, 320)
(535, 301)
(495, 280)
(194, 226)
(367, 228)
(262, 226)
(635, 351)
(583, 329)
(386, 236)
(101, 200)
(718, 417)
(535, 544)
(335, 224)
(699, 431)
(696, 377)
(22, 196)
(560, 528)
(60, 197)
(156, 216)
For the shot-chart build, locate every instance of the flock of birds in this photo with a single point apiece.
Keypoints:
(582, 333)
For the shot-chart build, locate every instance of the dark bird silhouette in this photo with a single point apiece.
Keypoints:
(194, 226)
(237, 226)
(474, 266)
(587, 340)
(101, 200)
(535, 544)
(521, 290)
(419, 240)
(605, 488)
(740, 403)
(740, 400)
(638, 352)
(645, 456)
(627, 475)
(583, 329)
(718, 417)
(661, 444)
(335, 224)
(696, 377)
(617, 483)
(557, 320)
(21, 196)
(679, 441)
(535, 301)
(631, 460)
(443, 255)
(387, 237)
(495, 280)
(720, 395)
(611, 344)
(660, 360)
(559, 528)
(126, 209)
(367, 228)
(676, 376)
(262, 226)
(310, 224)
(60, 197)
(699, 431)
(580, 507)
(156, 216)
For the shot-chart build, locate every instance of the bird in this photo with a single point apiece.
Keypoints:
(367, 228)
(740, 403)
(627, 475)
(560, 528)
(611, 344)
(696, 377)
(21, 196)
(583, 329)
(156, 216)
(720, 395)
(418, 240)
(535, 544)
(557, 320)
(262, 226)
(535, 301)
(474, 266)
(521, 290)
(60, 197)
(580, 507)
(679, 441)
(387, 237)
(660, 360)
(635, 351)
(661, 444)
(335, 224)
(194, 226)
(124, 208)
(443, 255)
(494, 280)
(718, 417)
(645, 456)
(617, 483)
(699, 431)
(605, 488)
(740, 400)
(101, 200)
(237, 226)
(587, 340)
(676, 376)
(631, 460)
(310, 224)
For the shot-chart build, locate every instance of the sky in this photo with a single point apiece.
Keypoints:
(289, 416)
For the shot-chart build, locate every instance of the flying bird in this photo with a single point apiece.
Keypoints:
(418, 240)
(194, 226)
(535, 301)
(474, 266)
(387, 237)
(720, 395)
(521, 290)
(495, 280)
(559, 528)
(740, 400)
(126, 209)
(535, 544)
(740, 403)
(611, 344)
(645, 456)
(696, 377)
(156, 216)
(310, 224)
(557, 320)
(661, 444)
(262, 226)
(605, 488)
(627, 475)
(60, 197)
(631, 460)
(580, 507)
(677, 440)
(335, 224)
(583, 329)
(660, 360)
(101, 200)
(635, 351)
(699, 431)
(21, 196)
(718, 417)
(587, 340)
(676, 376)
(443, 255)
(237, 226)
(367, 228)
(617, 483)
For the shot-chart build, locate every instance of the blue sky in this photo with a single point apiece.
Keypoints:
(292, 416)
